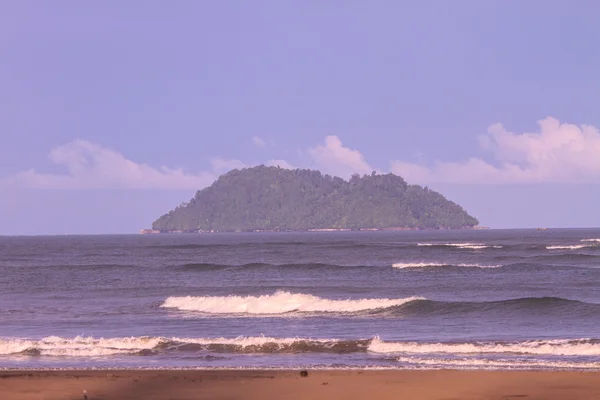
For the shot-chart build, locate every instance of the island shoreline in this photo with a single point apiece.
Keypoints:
(149, 231)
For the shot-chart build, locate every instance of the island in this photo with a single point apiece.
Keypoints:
(265, 198)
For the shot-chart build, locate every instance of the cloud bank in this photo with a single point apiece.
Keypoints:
(91, 166)
(558, 153)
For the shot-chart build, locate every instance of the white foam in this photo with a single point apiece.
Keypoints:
(472, 246)
(90, 347)
(579, 347)
(567, 247)
(432, 264)
(416, 355)
(248, 341)
(479, 363)
(587, 243)
(79, 346)
(280, 302)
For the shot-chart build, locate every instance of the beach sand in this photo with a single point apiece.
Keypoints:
(354, 384)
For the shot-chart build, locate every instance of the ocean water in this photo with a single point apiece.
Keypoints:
(495, 299)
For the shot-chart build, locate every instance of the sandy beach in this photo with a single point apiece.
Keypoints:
(355, 384)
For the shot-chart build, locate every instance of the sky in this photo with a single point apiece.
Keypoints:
(112, 113)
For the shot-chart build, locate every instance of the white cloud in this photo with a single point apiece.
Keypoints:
(90, 166)
(562, 153)
(335, 159)
(280, 163)
(221, 165)
(258, 142)
(557, 153)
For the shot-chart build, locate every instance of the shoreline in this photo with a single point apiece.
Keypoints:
(150, 231)
(228, 369)
(257, 384)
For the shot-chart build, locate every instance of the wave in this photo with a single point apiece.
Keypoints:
(80, 346)
(493, 364)
(262, 344)
(567, 247)
(318, 266)
(261, 266)
(433, 265)
(557, 347)
(144, 346)
(280, 302)
(283, 303)
(562, 257)
(548, 305)
(91, 267)
(472, 246)
(587, 243)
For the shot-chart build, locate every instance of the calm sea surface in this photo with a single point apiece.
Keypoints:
(499, 299)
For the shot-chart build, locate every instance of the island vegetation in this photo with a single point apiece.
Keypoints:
(275, 199)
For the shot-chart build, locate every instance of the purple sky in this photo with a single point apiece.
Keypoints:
(112, 113)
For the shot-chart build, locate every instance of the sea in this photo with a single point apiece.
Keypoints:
(466, 299)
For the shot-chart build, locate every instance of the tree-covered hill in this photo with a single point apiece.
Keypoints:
(272, 198)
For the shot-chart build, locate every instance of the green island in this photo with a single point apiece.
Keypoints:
(275, 199)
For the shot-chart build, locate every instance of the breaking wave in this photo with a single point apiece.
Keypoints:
(568, 247)
(472, 246)
(283, 303)
(558, 347)
(433, 265)
(144, 346)
(280, 302)
(77, 347)
(587, 243)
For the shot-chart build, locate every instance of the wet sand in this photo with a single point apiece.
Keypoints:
(355, 384)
